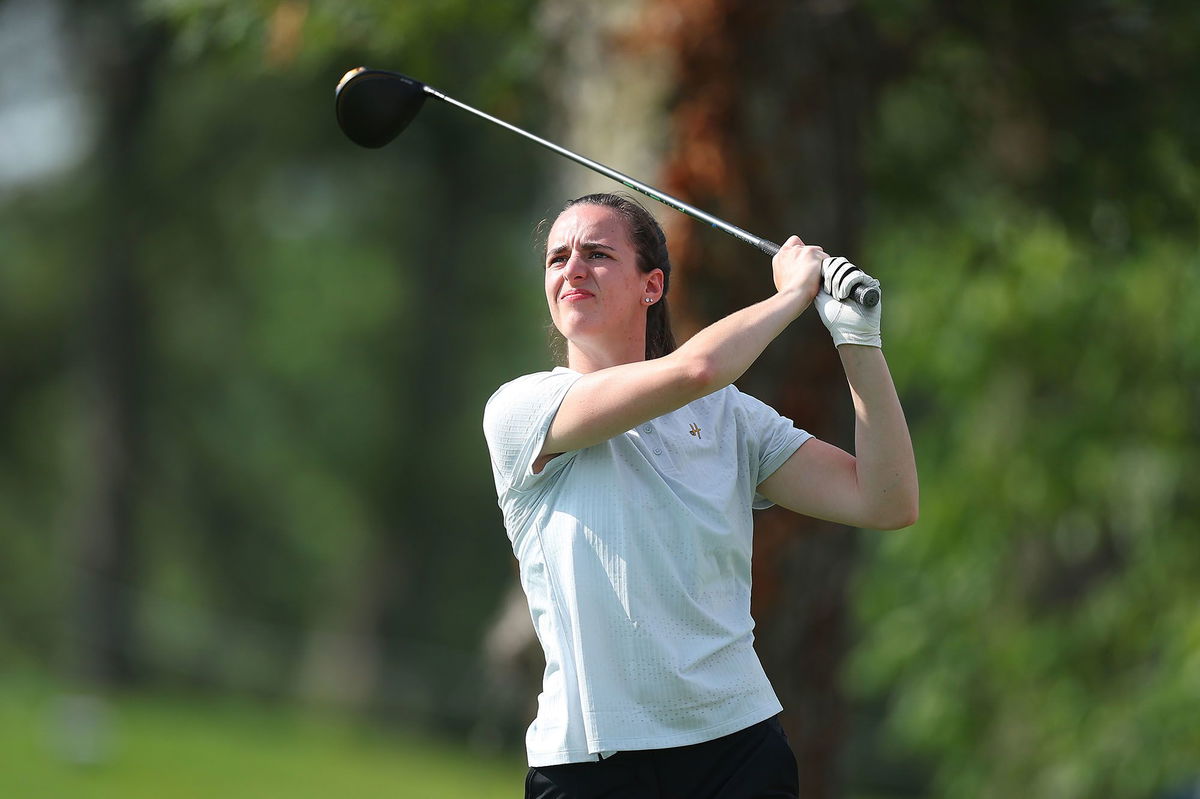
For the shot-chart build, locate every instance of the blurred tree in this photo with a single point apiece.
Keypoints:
(105, 554)
(1035, 195)
(767, 128)
(375, 322)
(298, 338)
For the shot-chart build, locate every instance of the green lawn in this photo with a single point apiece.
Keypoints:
(178, 749)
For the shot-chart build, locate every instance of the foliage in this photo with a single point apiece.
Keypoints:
(317, 349)
(1035, 634)
(322, 325)
(1037, 627)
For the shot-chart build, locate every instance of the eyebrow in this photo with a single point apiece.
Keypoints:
(587, 245)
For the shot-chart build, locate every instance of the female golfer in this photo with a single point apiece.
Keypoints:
(627, 480)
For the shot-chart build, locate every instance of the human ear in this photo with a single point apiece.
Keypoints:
(653, 288)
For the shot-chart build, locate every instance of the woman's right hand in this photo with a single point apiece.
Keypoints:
(797, 270)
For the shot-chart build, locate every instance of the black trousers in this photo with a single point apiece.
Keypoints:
(752, 764)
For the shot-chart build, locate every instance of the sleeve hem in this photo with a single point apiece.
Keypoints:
(772, 464)
(524, 478)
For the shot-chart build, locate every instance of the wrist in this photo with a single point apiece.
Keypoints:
(856, 350)
(867, 341)
(796, 299)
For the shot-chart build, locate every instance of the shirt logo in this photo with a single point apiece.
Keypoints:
(695, 430)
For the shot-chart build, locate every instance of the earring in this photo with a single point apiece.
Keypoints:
(649, 300)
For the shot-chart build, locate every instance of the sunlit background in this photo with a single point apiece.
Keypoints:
(249, 544)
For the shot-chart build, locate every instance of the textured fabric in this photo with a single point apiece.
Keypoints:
(635, 556)
(755, 763)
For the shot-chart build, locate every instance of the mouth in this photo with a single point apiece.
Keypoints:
(575, 294)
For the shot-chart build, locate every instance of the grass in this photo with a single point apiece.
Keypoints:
(169, 748)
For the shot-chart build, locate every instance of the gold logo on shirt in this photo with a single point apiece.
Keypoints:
(695, 430)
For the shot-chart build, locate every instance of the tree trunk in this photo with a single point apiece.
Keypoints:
(766, 131)
(101, 625)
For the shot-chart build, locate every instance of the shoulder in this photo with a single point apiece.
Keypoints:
(750, 416)
(528, 393)
(730, 400)
(532, 385)
(750, 404)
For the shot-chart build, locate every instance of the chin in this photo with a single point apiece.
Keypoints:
(572, 323)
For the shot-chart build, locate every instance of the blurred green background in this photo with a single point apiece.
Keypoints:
(248, 536)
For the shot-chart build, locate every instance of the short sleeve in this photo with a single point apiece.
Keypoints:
(516, 420)
(774, 438)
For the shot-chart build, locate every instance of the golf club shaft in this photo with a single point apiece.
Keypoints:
(769, 247)
(620, 177)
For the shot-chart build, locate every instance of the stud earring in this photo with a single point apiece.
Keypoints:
(649, 300)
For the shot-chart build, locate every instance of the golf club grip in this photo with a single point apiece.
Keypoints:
(864, 296)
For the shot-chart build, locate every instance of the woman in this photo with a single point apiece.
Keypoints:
(627, 481)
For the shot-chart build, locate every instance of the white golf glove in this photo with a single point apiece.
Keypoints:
(848, 321)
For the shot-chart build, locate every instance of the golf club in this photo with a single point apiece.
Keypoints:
(374, 106)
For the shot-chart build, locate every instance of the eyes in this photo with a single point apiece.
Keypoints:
(559, 258)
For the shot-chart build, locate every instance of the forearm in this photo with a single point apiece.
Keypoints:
(885, 465)
(724, 350)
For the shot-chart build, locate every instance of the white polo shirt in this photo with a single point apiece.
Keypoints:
(635, 556)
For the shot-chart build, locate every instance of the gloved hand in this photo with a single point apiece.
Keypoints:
(848, 322)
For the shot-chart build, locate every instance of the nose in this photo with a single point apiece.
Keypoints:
(576, 268)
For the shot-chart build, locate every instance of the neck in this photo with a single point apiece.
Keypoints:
(586, 356)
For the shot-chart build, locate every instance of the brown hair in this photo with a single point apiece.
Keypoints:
(650, 244)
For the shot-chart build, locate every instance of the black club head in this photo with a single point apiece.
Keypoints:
(374, 106)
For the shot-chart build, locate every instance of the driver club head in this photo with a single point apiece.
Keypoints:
(374, 106)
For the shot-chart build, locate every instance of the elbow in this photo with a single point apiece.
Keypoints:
(899, 515)
(905, 517)
(699, 376)
(909, 518)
